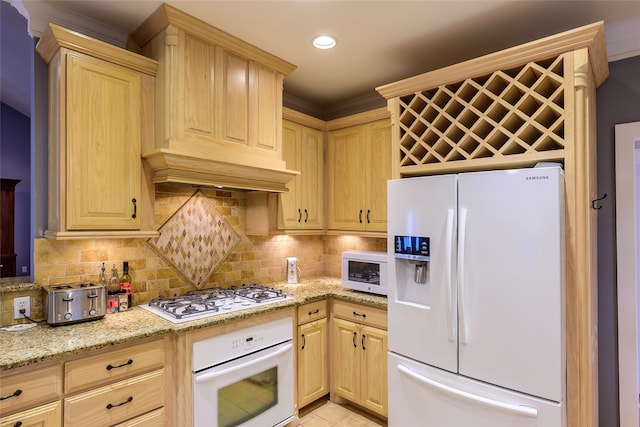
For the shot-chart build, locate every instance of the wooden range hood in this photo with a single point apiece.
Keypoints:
(218, 106)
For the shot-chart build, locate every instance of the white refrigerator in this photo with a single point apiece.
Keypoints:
(476, 299)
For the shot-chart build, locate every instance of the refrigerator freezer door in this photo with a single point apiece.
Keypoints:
(511, 279)
(422, 316)
(426, 396)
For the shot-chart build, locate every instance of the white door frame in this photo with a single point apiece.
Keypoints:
(627, 162)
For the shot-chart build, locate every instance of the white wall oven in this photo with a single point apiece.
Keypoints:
(245, 377)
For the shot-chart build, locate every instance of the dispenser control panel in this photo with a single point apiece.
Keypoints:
(412, 248)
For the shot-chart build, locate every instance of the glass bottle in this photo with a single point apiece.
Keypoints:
(103, 280)
(125, 282)
(113, 291)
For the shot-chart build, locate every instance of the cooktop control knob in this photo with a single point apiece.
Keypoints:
(67, 316)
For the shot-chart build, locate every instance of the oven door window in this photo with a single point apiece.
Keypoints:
(247, 398)
(364, 272)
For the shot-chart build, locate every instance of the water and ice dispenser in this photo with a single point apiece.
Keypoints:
(414, 249)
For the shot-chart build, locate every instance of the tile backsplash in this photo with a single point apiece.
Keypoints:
(255, 259)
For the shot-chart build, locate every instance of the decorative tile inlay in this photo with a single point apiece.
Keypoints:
(195, 240)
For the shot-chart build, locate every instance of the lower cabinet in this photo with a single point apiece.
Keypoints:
(359, 355)
(313, 352)
(31, 397)
(116, 386)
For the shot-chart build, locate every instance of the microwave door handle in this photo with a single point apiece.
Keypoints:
(518, 409)
(449, 272)
(212, 375)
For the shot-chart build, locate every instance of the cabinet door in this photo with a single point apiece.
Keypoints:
(346, 360)
(103, 145)
(377, 173)
(374, 370)
(313, 363)
(289, 210)
(43, 416)
(346, 179)
(312, 176)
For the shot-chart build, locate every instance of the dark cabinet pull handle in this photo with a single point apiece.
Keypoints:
(18, 424)
(306, 215)
(135, 208)
(368, 212)
(110, 405)
(128, 362)
(360, 216)
(299, 215)
(304, 342)
(363, 338)
(354, 339)
(18, 392)
(359, 314)
(316, 311)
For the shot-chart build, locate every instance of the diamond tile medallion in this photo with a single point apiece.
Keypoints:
(195, 240)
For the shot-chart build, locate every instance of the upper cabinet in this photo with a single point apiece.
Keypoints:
(359, 165)
(98, 95)
(302, 208)
(218, 106)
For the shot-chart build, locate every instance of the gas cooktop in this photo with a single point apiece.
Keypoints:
(209, 302)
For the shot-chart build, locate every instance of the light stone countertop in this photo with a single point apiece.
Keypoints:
(45, 342)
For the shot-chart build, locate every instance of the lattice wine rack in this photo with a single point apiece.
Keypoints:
(507, 113)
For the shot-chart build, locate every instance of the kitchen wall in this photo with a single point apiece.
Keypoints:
(15, 155)
(255, 259)
(618, 101)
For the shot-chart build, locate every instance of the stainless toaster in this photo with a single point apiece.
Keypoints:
(65, 304)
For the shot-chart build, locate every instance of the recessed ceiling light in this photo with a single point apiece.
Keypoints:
(324, 42)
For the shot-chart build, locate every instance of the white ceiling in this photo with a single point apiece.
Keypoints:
(379, 42)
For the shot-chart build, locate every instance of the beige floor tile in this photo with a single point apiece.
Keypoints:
(353, 420)
(332, 413)
(312, 420)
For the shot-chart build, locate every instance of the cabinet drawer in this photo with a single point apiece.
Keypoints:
(152, 419)
(30, 388)
(115, 365)
(49, 415)
(360, 314)
(117, 402)
(312, 311)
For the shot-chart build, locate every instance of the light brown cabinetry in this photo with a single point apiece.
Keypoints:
(49, 415)
(313, 352)
(530, 103)
(116, 386)
(218, 106)
(303, 206)
(359, 355)
(97, 95)
(32, 397)
(359, 165)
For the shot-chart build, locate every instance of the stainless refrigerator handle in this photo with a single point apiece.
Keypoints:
(451, 330)
(518, 409)
(462, 231)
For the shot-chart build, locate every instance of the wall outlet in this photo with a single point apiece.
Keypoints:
(21, 303)
(24, 269)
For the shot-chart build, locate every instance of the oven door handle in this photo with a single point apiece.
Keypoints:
(200, 378)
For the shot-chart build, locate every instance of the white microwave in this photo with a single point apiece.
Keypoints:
(365, 271)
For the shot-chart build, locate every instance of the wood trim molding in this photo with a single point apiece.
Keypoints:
(358, 119)
(589, 36)
(168, 15)
(56, 37)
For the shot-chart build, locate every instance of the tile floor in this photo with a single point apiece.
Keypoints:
(325, 413)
